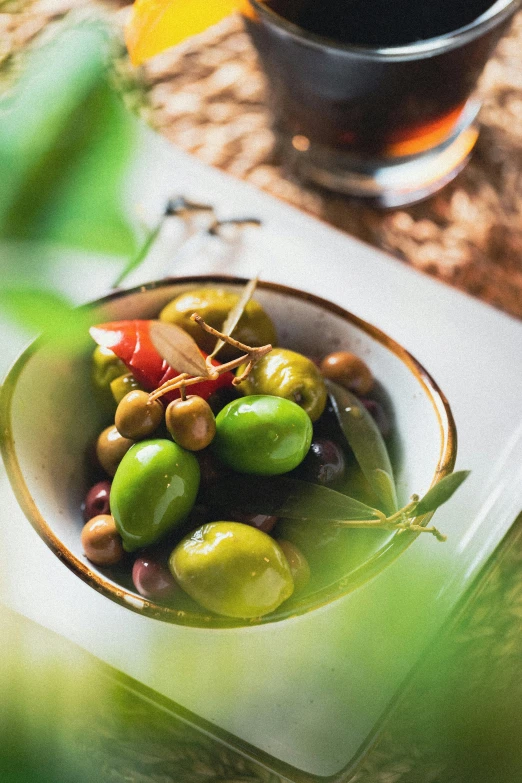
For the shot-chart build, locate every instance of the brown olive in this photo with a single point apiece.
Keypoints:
(298, 563)
(136, 417)
(111, 447)
(348, 370)
(191, 423)
(101, 541)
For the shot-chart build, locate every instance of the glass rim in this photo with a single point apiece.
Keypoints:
(494, 15)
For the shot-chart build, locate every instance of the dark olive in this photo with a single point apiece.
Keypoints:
(111, 447)
(298, 563)
(211, 469)
(199, 515)
(349, 371)
(222, 397)
(377, 412)
(137, 417)
(101, 541)
(191, 423)
(324, 463)
(262, 522)
(152, 579)
(97, 500)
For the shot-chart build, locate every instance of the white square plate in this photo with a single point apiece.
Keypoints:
(311, 693)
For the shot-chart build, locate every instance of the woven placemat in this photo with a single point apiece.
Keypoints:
(208, 96)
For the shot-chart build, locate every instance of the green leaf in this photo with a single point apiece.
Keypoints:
(441, 492)
(366, 442)
(137, 259)
(44, 311)
(65, 142)
(235, 314)
(287, 497)
(178, 348)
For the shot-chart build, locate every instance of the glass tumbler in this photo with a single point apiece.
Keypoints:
(390, 124)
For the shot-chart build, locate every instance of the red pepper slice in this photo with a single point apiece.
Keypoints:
(130, 341)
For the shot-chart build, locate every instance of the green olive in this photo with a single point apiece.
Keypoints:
(101, 541)
(137, 417)
(111, 447)
(291, 375)
(232, 569)
(153, 492)
(213, 305)
(263, 435)
(191, 422)
(349, 371)
(105, 367)
(123, 385)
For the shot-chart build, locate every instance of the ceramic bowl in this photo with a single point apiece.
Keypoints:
(44, 445)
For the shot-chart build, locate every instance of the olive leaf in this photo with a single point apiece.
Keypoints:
(441, 492)
(235, 314)
(287, 497)
(366, 442)
(178, 348)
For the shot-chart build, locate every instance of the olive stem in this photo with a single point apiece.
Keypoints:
(230, 340)
(252, 354)
(387, 525)
(407, 511)
(176, 383)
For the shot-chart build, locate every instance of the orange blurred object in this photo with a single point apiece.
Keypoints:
(156, 25)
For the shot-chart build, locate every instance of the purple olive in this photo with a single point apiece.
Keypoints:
(262, 522)
(324, 463)
(152, 579)
(377, 412)
(97, 500)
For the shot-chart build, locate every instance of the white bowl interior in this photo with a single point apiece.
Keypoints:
(54, 416)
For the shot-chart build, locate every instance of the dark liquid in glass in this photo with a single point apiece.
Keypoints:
(343, 99)
(380, 23)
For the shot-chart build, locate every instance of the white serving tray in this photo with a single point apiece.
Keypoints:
(310, 692)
